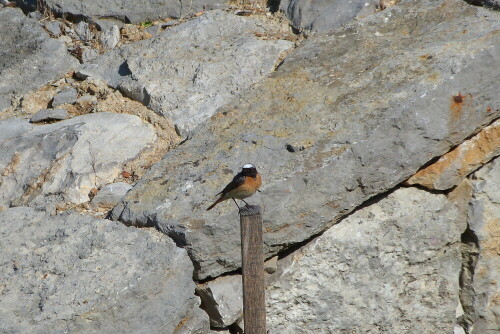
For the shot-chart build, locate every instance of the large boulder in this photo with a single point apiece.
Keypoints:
(74, 273)
(390, 267)
(54, 164)
(188, 71)
(29, 58)
(347, 116)
(325, 15)
(124, 10)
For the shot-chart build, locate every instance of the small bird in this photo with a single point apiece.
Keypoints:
(243, 185)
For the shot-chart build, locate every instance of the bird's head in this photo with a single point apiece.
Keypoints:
(249, 170)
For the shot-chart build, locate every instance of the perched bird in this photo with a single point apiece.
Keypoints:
(243, 185)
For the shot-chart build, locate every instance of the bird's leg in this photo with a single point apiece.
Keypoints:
(245, 202)
(239, 209)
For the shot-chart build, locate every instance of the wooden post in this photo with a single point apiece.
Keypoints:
(252, 262)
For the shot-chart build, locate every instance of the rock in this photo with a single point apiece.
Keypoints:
(325, 15)
(390, 267)
(494, 4)
(66, 96)
(75, 273)
(452, 167)
(127, 11)
(110, 195)
(110, 37)
(87, 101)
(54, 28)
(360, 139)
(189, 71)
(89, 54)
(222, 299)
(45, 115)
(481, 288)
(53, 164)
(82, 29)
(30, 58)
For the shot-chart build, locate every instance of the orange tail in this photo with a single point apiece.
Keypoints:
(215, 203)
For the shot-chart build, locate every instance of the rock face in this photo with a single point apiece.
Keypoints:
(452, 167)
(29, 57)
(351, 138)
(46, 165)
(324, 15)
(480, 300)
(75, 273)
(383, 269)
(188, 71)
(128, 11)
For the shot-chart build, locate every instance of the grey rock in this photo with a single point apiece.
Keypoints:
(59, 163)
(54, 28)
(30, 58)
(67, 95)
(484, 222)
(89, 54)
(391, 267)
(49, 115)
(75, 273)
(127, 11)
(189, 71)
(359, 138)
(494, 4)
(87, 101)
(110, 37)
(109, 195)
(82, 29)
(222, 299)
(325, 15)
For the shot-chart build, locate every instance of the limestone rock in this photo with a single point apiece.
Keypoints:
(124, 10)
(222, 299)
(369, 105)
(324, 15)
(452, 167)
(49, 115)
(391, 267)
(110, 37)
(30, 58)
(45, 165)
(189, 71)
(67, 95)
(484, 222)
(75, 273)
(110, 194)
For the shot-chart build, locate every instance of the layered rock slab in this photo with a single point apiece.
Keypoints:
(29, 57)
(47, 165)
(188, 71)
(124, 10)
(391, 267)
(347, 116)
(481, 301)
(75, 273)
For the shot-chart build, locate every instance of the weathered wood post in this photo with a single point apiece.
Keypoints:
(252, 258)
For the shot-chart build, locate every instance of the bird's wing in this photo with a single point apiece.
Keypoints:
(238, 180)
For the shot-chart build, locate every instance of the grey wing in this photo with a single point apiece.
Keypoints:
(237, 181)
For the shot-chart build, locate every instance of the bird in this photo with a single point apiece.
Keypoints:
(243, 185)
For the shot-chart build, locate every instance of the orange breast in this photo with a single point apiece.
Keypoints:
(247, 189)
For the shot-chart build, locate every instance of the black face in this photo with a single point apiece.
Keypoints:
(249, 172)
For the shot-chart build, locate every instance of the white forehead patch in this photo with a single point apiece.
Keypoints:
(248, 166)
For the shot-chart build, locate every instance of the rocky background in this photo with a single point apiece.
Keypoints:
(375, 126)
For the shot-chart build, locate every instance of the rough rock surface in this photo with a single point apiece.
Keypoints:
(45, 115)
(29, 57)
(323, 15)
(481, 301)
(45, 165)
(391, 267)
(351, 138)
(452, 167)
(190, 70)
(66, 96)
(109, 195)
(75, 273)
(124, 10)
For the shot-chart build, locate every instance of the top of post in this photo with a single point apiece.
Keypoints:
(250, 210)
